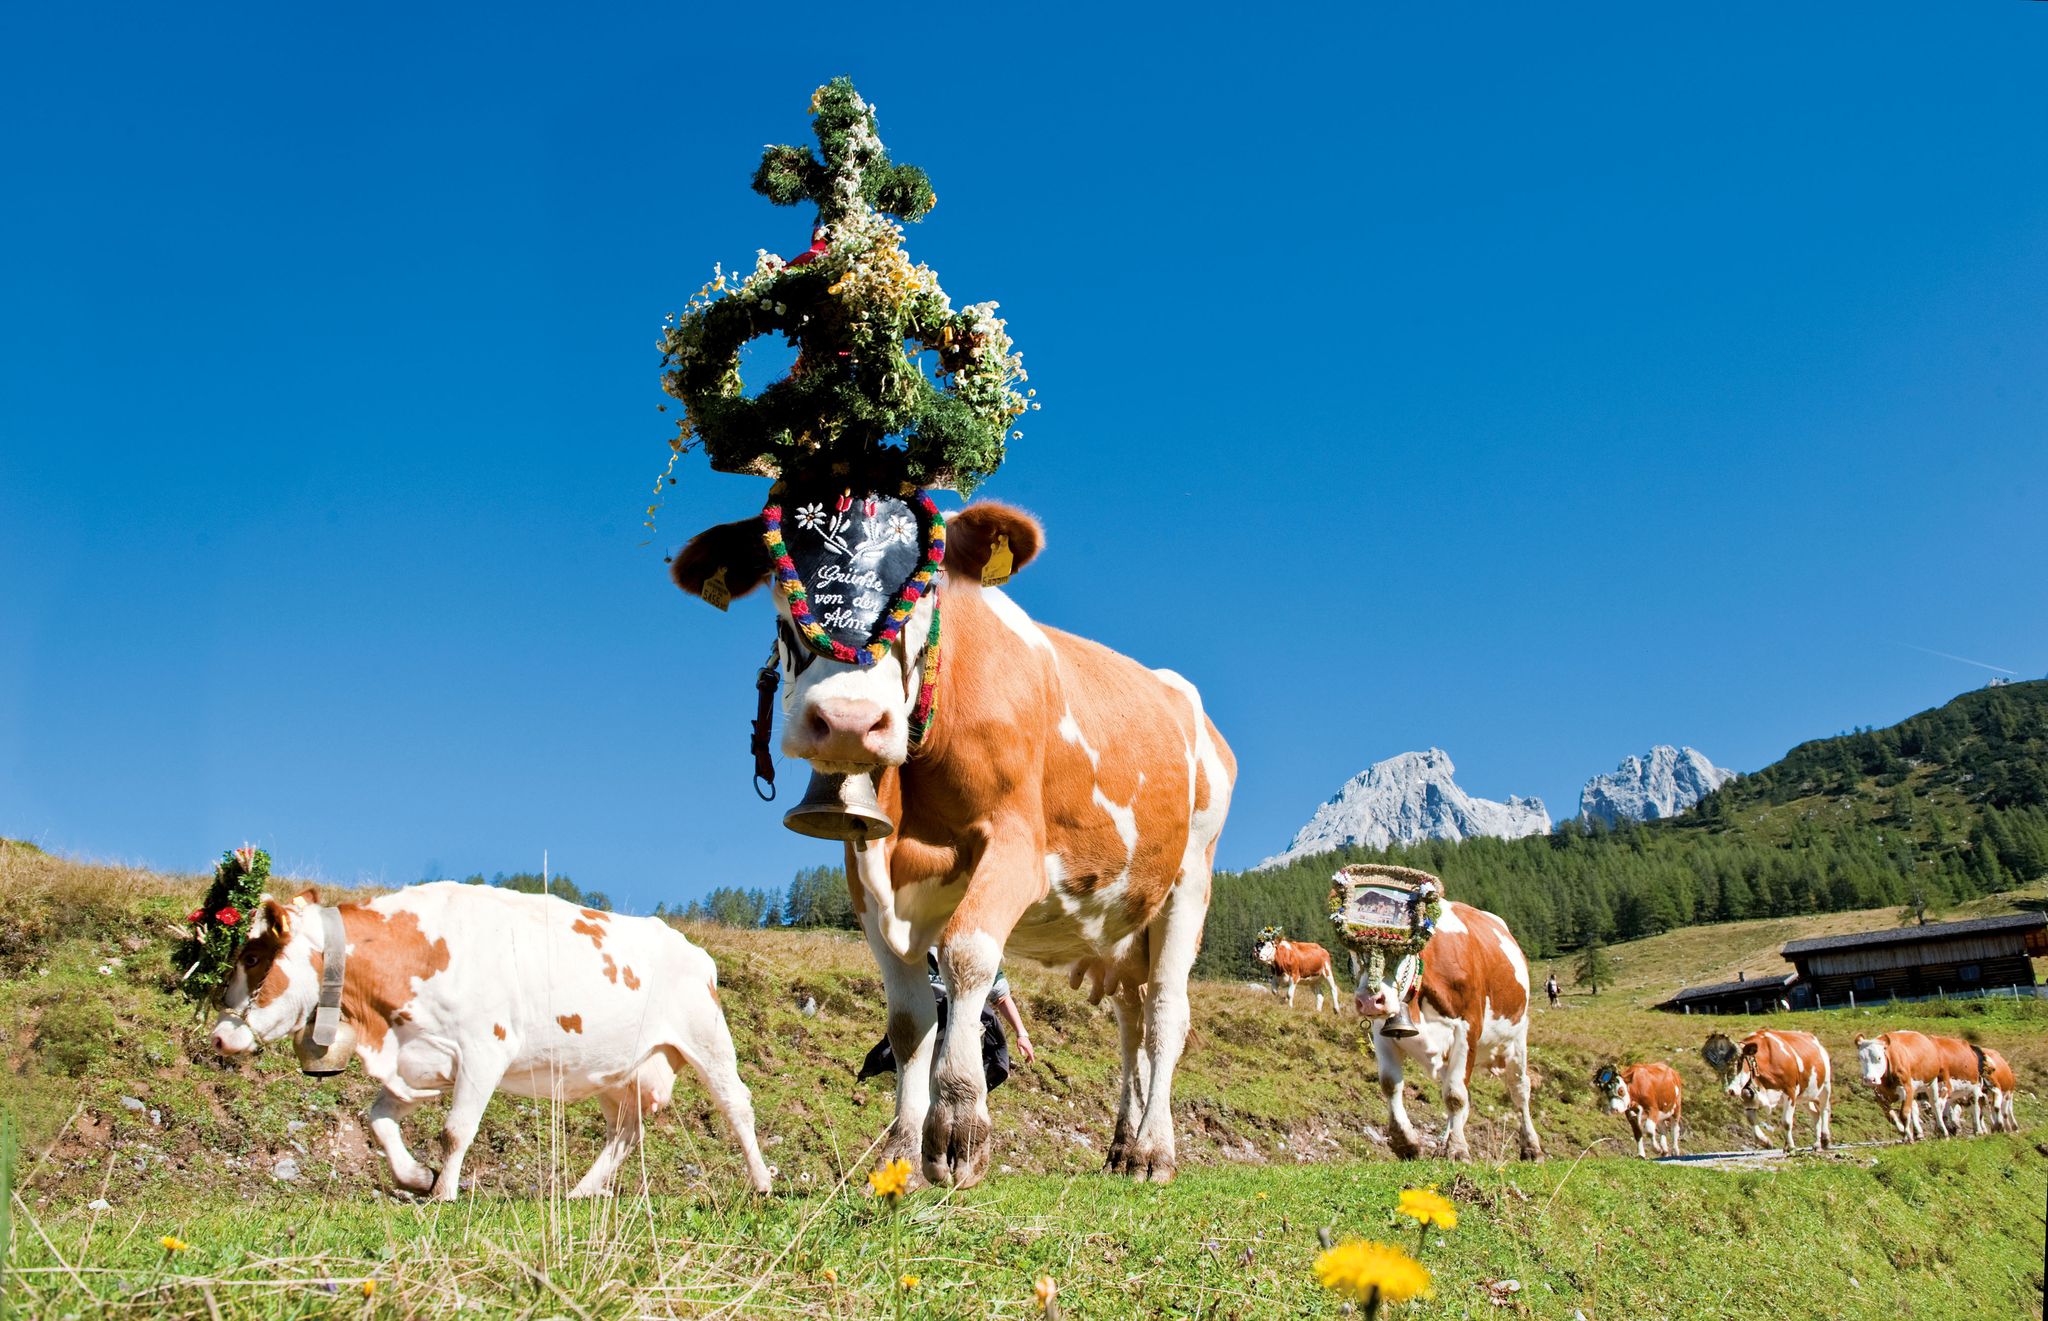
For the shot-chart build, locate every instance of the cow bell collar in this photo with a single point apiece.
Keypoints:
(327, 1043)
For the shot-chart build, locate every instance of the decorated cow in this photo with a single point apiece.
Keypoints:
(1294, 962)
(465, 990)
(1650, 1096)
(1457, 996)
(1034, 794)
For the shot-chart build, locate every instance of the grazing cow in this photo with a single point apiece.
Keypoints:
(1297, 961)
(1895, 1067)
(1774, 1069)
(1063, 806)
(1647, 1095)
(466, 989)
(1474, 1003)
(2000, 1085)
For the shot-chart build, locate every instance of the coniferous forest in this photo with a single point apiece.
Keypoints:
(1946, 805)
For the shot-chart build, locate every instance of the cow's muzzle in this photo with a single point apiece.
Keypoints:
(232, 1035)
(838, 734)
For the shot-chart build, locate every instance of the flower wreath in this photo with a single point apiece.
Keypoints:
(1377, 941)
(849, 306)
(1269, 933)
(221, 923)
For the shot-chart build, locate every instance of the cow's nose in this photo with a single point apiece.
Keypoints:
(847, 729)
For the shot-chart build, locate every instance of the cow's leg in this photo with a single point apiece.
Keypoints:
(1518, 1093)
(1331, 981)
(1455, 1080)
(1824, 1125)
(477, 1076)
(1791, 1116)
(1175, 935)
(707, 1045)
(1400, 1133)
(1291, 984)
(1676, 1118)
(1130, 1105)
(1756, 1124)
(385, 1114)
(913, 1031)
(957, 1134)
(1635, 1126)
(621, 1134)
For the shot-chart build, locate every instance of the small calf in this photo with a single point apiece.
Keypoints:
(1647, 1095)
(466, 989)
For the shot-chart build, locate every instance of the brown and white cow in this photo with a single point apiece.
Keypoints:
(1774, 1070)
(1064, 806)
(1297, 961)
(1473, 1005)
(1962, 1071)
(1651, 1097)
(1896, 1066)
(2001, 1085)
(466, 990)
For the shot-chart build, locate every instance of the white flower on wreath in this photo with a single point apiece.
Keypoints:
(810, 516)
(900, 528)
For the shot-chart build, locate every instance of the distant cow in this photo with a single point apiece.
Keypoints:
(1650, 1096)
(1962, 1080)
(1297, 961)
(466, 989)
(2000, 1085)
(1896, 1066)
(1776, 1069)
(1474, 1004)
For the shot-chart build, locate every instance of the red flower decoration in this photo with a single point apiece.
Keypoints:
(229, 916)
(195, 917)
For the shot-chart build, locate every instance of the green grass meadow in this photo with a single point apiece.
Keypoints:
(284, 1210)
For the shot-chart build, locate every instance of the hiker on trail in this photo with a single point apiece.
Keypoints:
(995, 1050)
(1550, 987)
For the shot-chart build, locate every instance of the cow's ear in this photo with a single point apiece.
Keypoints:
(307, 898)
(278, 918)
(973, 536)
(734, 550)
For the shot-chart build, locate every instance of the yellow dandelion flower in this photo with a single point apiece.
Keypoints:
(891, 1180)
(831, 1276)
(1261, 1197)
(1045, 1291)
(908, 1283)
(369, 1288)
(1428, 1207)
(172, 1243)
(1372, 1273)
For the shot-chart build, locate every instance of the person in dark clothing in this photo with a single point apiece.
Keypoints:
(995, 1049)
(1551, 987)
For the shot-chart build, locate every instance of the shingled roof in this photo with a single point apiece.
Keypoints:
(2017, 923)
(1761, 985)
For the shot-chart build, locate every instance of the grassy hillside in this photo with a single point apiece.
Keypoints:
(267, 1173)
(1944, 807)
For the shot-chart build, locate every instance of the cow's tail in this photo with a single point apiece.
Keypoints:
(1983, 1067)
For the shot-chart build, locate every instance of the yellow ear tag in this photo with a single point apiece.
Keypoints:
(1000, 564)
(715, 592)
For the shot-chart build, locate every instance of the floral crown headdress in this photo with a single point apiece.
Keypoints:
(221, 923)
(1270, 933)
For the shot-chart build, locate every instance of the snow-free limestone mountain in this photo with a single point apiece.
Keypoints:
(1662, 782)
(1408, 798)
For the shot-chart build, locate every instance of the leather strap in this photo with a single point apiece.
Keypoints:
(333, 970)
(764, 723)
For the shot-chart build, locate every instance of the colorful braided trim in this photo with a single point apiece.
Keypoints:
(890, 627)
(928, 687)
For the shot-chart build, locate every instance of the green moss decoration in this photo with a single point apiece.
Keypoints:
(863, 319)
(204, 959)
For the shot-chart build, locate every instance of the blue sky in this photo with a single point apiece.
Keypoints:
(1538, 385)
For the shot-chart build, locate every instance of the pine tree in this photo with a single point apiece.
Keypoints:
(1594, 967)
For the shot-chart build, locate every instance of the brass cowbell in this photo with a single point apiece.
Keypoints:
(842, 807)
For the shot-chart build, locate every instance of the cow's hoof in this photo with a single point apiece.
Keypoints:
(956, 1145)
(1402, 1144)
(1143, 1163)
(1534, 1151)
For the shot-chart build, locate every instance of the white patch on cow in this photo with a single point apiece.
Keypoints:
(1204, 825)
(1070, 730)
(1013, 618)
(1450, 921)
(1124, 818)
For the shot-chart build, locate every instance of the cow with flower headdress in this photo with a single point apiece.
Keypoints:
(1002, 788)
(1295, 962)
